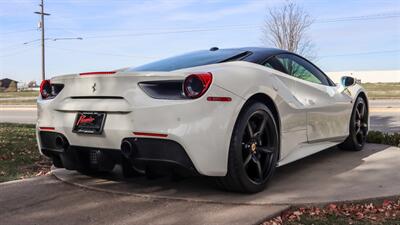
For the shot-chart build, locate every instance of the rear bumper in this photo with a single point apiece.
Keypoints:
(146, 151)
(201, 128)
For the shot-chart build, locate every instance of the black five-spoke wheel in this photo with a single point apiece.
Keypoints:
(258, 147)
(361, 123)
(253, 151)
(358, 127)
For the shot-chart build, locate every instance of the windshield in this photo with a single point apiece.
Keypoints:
(198, 58)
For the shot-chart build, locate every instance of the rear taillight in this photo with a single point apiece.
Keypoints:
(48, 90)
(45, 89)
(195, 85)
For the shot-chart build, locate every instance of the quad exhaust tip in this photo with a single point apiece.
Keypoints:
(61, 142)
(127, 149)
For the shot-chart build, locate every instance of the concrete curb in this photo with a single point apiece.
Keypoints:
(148, 196)
(331, 176)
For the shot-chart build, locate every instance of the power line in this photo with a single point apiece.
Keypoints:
(238, 27)
(20, 52)
(154, 28)
(101, 53)
(223, 27)
(362, 17)
(17, 31)
(363, 53)
(11, 46)
(166, 32)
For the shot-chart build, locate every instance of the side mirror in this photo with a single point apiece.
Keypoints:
(347, 81)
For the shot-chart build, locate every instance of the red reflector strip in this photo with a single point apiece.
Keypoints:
(150, 134)
(46, 128)
(219, 99)
(98, 73)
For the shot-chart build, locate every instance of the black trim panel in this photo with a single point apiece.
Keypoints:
(151, 150)
(164, 89)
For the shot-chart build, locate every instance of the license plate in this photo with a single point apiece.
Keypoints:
(89, 123)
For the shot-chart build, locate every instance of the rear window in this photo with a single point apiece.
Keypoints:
(198, 58)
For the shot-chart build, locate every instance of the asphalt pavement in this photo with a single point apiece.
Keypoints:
(48, 201)
(384, 114)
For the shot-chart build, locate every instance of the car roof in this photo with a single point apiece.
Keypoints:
(264, 50)
(258, 53)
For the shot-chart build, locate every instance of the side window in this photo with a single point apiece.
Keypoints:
(273, 63)
(302, 69)
(269, 65)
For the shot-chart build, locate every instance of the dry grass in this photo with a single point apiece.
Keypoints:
(383, 90)
(368, 213)
(19, 94)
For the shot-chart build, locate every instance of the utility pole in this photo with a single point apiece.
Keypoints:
(42, 14)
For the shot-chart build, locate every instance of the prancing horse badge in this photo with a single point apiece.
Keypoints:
(94, 87)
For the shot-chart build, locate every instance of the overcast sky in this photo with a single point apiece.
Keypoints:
(348, 34)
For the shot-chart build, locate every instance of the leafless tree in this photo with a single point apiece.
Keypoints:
(286, 28)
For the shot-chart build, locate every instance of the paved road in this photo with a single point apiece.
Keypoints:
(385, 103)
(17, 98)
(385, 115)
(47, 201)
(17, 114)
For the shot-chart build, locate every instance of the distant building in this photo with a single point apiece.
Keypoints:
(378, 76)
(8, 85)
(32, 84)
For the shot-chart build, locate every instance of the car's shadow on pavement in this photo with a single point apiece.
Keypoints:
(328, 176)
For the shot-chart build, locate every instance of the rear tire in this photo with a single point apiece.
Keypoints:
(358, 127)
(253, 151)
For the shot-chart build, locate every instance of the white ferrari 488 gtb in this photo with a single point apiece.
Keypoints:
(233, 114)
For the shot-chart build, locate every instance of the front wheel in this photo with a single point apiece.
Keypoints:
(358, 127)
(254, 149)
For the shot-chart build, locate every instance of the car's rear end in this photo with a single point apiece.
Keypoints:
(181, 118)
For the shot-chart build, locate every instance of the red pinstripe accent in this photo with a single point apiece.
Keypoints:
(46, 128)
(150, 134)
(219, 99)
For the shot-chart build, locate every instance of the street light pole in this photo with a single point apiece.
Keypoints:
(42, 14)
